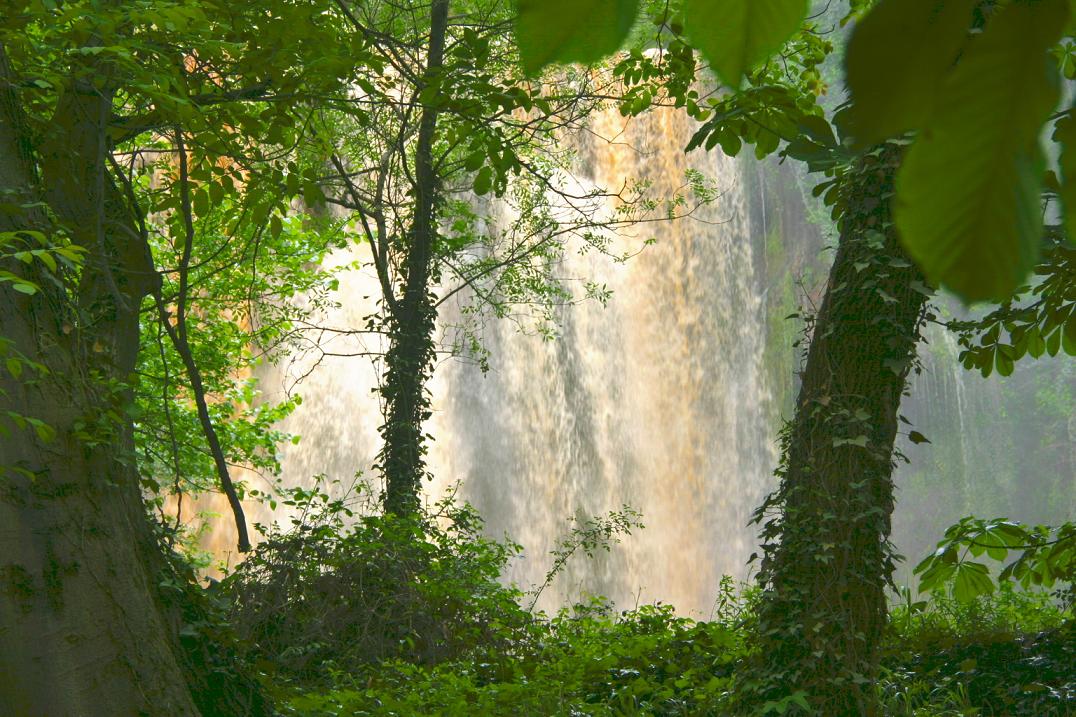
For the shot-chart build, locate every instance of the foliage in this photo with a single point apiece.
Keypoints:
(1008, 653)
(221, 681)
(1040, 319)
(584, 31)
(968, 198)
(738, 35)
(223, 252)
(894, 97)
(350, 590)
(586, 661)
(1005, 653)
(969, 191)
(1045, 556)
(587, 537)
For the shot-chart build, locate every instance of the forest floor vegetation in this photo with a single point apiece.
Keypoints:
(347, 614)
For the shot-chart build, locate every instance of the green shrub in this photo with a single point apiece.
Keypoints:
(1007, 653)
(587, 661)
(347, 590)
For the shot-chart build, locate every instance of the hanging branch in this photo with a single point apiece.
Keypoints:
(178, 335)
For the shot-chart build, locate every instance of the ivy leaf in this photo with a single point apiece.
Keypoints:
(967, 204)
(897, 58)
(584, 31)
(736, 35)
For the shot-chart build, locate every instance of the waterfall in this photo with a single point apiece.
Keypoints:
(659, 400)
(999, 446)
(958, 376)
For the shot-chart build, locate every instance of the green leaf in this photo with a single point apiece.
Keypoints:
(934, 576)
(584, 31)
(46, 259)
(1065, 135)
(917, 437)
(44, 431)
(970, 581)
(736, 35)
(967, 205)
(1003, 363)
(483, 181)
(897, 59)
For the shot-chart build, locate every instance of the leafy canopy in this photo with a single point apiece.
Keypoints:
(975, 82)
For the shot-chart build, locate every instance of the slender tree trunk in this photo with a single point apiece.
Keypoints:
(411, 325)
(83, 630)
(827, 557)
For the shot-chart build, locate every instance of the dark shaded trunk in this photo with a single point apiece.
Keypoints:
(83, 627)
(411, 322)
(827, 557)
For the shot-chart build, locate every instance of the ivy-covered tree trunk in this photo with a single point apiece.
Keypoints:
(411, 322)
(83, 627)
(827, 556)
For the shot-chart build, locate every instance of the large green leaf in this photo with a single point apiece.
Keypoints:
(897, 59)
(585, 31)
(967, 205)
(1065, 135)
(736, 35)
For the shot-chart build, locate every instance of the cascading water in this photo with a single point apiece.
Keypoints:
(659, 400)
(1000, 446)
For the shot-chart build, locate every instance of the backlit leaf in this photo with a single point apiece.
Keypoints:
(897, 58)
(971, 580)
(584, 31)
(967, 205)
(736, 35)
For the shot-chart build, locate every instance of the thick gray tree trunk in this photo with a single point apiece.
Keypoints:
(83, 628)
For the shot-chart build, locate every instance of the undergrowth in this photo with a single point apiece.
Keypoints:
(348, 614)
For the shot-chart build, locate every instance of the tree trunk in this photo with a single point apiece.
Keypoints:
(827, 557)
(411, 325)
(82, 627)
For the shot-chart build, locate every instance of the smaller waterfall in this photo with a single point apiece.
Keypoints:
(999, 446)
(959, 376)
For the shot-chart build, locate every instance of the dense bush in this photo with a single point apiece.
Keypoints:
(1009, 653)
(346, 589)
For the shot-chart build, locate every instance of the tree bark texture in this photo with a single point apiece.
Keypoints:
(83, 627)
(411, 321)
(827, 557)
